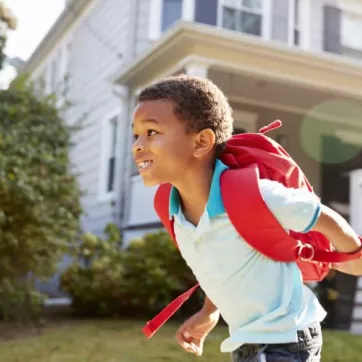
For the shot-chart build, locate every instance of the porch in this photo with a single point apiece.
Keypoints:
(316, 96)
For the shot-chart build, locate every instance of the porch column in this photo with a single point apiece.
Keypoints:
(356, 223)
(196, 69)
(356, 200)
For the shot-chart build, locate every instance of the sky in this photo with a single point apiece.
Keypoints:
(35, 18)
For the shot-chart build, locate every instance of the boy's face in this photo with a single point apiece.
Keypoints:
(162, 149)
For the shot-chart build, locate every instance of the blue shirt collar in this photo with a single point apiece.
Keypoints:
(215, 205)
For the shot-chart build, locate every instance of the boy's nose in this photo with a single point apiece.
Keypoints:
(137, 147)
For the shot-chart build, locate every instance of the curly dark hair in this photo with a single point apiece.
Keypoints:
(198, 102)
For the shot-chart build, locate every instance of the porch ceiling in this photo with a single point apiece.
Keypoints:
(224, 50)
(272, 94)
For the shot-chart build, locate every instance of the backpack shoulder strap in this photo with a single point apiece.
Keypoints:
(252, 218)
(161, 205)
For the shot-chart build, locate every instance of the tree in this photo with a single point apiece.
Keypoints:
(39, 196)
(7, 21)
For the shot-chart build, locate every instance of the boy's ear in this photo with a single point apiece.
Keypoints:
(204, 143)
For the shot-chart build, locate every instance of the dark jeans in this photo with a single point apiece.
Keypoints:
(307, 349)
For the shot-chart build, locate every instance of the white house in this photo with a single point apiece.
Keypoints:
(295, 60)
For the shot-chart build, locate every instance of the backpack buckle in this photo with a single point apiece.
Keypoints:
(306, 252)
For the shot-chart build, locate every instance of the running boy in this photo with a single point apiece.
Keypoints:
(181, 125)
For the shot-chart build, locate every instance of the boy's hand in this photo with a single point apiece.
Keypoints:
(192, 334)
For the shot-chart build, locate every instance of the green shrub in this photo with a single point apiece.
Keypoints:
(155, 273)
(107, 280)
(39, 197)
(19, 301)
(95, 279)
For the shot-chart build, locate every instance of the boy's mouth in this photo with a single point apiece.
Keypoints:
(143, 166)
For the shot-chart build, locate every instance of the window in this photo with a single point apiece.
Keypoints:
(64, 69)
(111, 162)
(351, 39)
(296, 22)
(53, 74)
(172, 11)
(134, 170)
(57, 70)
(164, 13)
(243, 15)
(109, 155)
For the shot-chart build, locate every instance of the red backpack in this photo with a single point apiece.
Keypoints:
(250, 157)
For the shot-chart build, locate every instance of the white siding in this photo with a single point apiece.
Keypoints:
(141, 208)
(142, 25)
(99, 46)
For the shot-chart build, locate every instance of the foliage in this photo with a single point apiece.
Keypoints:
(39, 197)
(155, 273)
(327, 294)
(107, 280)
(94, 280)
(7, 21)
(19, 301)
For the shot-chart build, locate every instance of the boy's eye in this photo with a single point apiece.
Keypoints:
(151, 132)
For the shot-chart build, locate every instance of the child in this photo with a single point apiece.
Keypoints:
(181, 125)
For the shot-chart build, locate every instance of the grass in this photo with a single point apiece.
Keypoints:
(111, 341)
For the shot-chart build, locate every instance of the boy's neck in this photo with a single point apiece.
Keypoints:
(194, 192)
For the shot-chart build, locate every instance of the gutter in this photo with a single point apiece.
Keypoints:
(196, 34)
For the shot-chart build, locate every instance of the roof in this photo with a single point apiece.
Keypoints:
(222, 48)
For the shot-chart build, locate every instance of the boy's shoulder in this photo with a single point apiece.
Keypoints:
(274, 190)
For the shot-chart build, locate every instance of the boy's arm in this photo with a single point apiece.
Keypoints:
(209, 307)
(300, 210)
(342, 236)
(193, 332)
(336, 229)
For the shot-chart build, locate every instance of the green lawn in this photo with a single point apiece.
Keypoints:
(111, 341)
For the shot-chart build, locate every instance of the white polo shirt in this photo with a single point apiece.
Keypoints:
(261, 300)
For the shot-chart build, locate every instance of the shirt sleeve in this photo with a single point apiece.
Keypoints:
(295, 209)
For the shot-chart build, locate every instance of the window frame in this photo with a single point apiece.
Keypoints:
(56, 69)
(164, 29)
(188, 14)
(266, 23)
(294, 23)
(156, 16)
(347, 12)
(265, 17)
(134, 169)
(104, 194)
